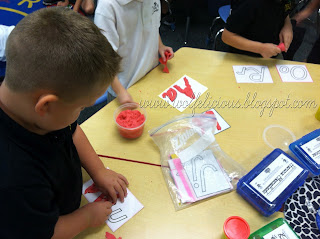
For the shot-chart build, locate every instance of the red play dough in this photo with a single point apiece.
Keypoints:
(91, 189)
(211, 113)
(282, 46)
(130, 120)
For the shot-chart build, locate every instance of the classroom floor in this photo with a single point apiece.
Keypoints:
(197, 36)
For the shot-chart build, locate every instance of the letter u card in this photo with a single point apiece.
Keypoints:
(121, 212)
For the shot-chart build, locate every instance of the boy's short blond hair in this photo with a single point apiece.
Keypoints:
(59, 50)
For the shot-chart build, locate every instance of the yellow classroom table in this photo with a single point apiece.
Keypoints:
(242, 141)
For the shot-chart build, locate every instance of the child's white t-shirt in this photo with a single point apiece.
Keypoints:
(4, 33)
(132, 28)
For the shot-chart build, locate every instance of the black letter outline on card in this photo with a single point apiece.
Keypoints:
(286, 70)
(118, 219)
(252, 76)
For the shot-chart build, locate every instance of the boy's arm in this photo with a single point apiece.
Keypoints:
(90, 215)
(266, 50)
(108, 181)
(306, 12)
(76, 6)
(163, 48)
(122, 94)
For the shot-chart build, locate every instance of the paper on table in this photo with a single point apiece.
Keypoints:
(200, 177)
(183, 93)
(294, 73)
(252, 74)
(121, 212)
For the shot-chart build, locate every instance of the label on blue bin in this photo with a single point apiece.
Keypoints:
(312, 148)
(284, 231)
(276, 177)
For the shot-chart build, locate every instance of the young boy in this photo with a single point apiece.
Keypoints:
(132, 28)
(58, 62)
(256, 27)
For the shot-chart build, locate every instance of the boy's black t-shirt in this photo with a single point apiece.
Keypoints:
(40, 180)
(258, 20)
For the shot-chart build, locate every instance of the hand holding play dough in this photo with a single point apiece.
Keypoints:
(167, 55)
(282, 46)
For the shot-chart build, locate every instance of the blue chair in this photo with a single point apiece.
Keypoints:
(224, 13)
(102, 98)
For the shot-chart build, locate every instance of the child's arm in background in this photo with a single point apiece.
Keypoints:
(306, 12)
(163, 49)
(122, 94)
(91, 215)
(266, 50)
(109, 182)
(286, 33)
(76, 6)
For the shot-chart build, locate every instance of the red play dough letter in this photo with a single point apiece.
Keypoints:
(187, 91)
(91, 189)
(171, 93)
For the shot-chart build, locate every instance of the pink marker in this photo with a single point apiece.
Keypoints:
(282, 46)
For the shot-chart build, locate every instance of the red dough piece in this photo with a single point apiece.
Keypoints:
(282, 46)
(167, 55)
(111, 236)
(171, 93)
(102, 197)
(130, 118)
(91, 189)
(187, 91)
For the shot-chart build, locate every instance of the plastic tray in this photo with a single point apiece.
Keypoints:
(307, 150)
(268, 185)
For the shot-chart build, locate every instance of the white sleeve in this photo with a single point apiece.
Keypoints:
(4, 33)
(107, 26)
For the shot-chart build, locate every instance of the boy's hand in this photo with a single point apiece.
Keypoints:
(97, 212)
(286, 36)
(111, 183)
(124, 97)
(163, 49)
(268, 50)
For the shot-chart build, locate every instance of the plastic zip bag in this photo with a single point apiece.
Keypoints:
(193, 165)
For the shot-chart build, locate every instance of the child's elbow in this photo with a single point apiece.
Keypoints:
(224, 36)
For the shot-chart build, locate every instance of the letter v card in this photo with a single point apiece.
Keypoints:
(183, 93)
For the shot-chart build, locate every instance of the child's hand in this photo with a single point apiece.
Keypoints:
(163, 49)
(111, 183)
(268, 50)
(64, 3)
(124, 97)
(286, 36)
(300, 16)
(97, 212)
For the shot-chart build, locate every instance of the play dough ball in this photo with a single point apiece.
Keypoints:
(130, 120)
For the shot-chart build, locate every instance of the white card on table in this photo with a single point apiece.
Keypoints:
(294, 73)
(121, 212)
(183, 93)
(206, 175)
(252, 74)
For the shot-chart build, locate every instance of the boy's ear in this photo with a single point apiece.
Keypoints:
(43, 103)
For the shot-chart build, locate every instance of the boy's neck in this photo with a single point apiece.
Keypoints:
(11, 104)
